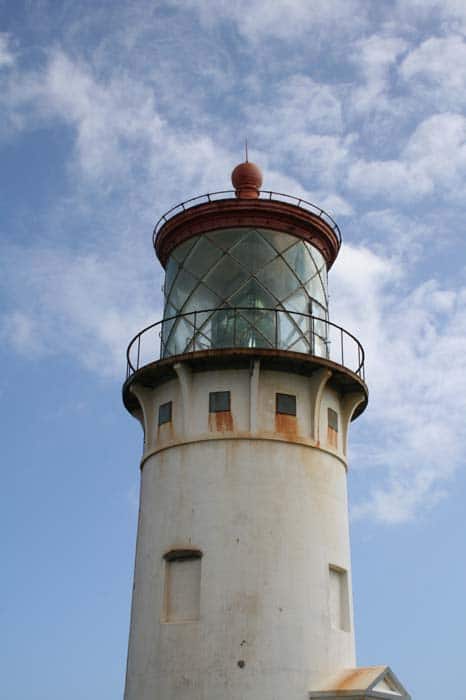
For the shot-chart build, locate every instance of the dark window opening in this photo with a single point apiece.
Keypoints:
(179, 554)
(286, 404)
(332, 428)
(219, 401)
(333, 419)
(165, 413)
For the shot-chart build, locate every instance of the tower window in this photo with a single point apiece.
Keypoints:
(338, 598)
(219, 401)
(182, 586)
(332, 427)
(165, 413)
(286, 404)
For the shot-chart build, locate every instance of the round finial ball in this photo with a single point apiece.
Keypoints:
(246, 178)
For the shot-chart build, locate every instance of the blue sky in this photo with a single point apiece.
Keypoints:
(110, 114)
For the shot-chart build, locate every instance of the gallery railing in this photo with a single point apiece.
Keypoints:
(263, 194)
(245, 327)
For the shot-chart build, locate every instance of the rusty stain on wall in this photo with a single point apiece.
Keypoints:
(165, 432)
(332, 437)
(286, 425)
(221, 422)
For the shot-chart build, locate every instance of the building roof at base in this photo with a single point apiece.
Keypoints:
(361, 683)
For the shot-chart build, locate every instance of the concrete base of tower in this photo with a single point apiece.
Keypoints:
(242, 587)
(263, 605)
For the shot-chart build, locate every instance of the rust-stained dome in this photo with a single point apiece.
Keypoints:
(247, 180)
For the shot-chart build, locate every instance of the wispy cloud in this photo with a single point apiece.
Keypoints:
(151, 123)
(283, 20)
(433, 158)
(415, 342)
(6, 53)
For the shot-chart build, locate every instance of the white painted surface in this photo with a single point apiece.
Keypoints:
(266, 504)
(338, 597)
(182, 598)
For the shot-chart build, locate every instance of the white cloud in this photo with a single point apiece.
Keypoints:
(434, 157)
(434, 68)
(86, 306)
(86, 301)
(298, 104)
(7, 58)
(300, 123)
(119, 132)
(415, 342)
(445, 15)
(282, 19)
(406, 237)
(23, 333)
(375, 57)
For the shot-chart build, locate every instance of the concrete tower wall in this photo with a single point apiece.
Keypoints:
(243, 577)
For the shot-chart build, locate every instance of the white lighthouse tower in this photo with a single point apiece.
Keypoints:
(245, 392)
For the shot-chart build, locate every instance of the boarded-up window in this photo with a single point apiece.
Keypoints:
(182, 586)
(219, 401)
(285, 404)
(338, 598)
(332, 427)
(165, 413)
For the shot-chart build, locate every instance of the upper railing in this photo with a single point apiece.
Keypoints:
(263, 195)
(245, 327)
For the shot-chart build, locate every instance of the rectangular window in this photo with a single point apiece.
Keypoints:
(182, 586)
(286, 404)
(165, 413)
(338, 598)
(332, 428)
(219, 401)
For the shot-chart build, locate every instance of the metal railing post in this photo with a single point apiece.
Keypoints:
(139, 350)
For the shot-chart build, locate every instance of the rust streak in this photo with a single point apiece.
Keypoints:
(221, 422)
(351, 678)
(286, 426)
(165, 432)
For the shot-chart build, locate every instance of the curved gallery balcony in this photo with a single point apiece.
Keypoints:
(263, 194)
(270, 210)
(248, 329)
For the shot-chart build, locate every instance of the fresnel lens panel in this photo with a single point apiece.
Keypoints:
(245, 287)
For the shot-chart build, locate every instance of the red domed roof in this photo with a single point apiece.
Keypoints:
(247, 180)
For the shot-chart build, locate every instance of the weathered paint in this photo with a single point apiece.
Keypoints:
(268, 510)
(221, 422)
(361, 684)
(286, 426)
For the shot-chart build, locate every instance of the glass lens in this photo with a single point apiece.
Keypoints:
(253, 252)
(253, 295)
(278, 279)
(202, 257)
(280, 241)
(202, 299)
(225, 278)
(170, 274)
(183, 249)
(300, 261)
(185, 283)
(227, 237)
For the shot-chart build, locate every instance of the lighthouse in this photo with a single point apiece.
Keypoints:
(245, 391)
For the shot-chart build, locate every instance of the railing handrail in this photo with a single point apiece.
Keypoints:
(137, 338)
(263, 194)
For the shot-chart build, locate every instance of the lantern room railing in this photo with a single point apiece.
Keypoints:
(245, 327)
(263, 195)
